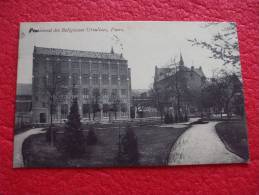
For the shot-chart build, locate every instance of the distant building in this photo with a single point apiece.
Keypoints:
(98, 78)
(23, 115)
(178, 79)
(142, 104)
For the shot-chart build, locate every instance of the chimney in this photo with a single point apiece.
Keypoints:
(112, 52)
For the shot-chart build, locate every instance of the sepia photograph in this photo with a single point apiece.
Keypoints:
(124, 94)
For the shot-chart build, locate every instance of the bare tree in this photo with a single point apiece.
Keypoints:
(54, 88)
(223, 89)
(115, 103)
(95, 102)
(223, 45)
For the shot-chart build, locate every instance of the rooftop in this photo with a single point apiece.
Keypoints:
(78, 53)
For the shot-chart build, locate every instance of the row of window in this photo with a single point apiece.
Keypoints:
(87, 109)
(63, 67)
(104, 92)
(86, 93)
(63, 79)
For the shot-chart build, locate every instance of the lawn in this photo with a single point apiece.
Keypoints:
(234, 136)
(154, 144)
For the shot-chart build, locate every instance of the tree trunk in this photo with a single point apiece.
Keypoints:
(50, 128)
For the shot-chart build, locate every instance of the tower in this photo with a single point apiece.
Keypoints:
(181, 62)
(112, 51)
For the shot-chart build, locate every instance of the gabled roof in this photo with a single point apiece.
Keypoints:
(199, 72)
(77, 53)
(24, 89)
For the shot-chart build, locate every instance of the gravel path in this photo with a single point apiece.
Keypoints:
(201, 145)
(18, 141)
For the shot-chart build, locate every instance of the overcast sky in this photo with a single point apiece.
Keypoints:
(144, 44)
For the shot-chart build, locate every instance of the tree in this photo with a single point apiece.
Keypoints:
(53, 86)
(115, 103)
(159, 98)
(230, 87)
(95, 102)
(223, 45)
(128, 153)
(74, 143)
(221, 92)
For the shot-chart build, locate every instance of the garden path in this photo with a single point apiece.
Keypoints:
(201, 145)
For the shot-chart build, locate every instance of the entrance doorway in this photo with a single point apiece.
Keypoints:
(43, 118)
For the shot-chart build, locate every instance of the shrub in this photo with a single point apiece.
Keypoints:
(128, 153)
(91, 138)
(167, 118)
(73, 142)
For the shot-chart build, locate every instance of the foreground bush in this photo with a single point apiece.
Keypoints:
(128, 153)
(91, 138)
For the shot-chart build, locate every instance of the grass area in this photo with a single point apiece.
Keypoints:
(154, 144)
(234, 136)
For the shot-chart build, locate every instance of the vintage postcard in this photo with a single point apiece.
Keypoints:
(112, 94)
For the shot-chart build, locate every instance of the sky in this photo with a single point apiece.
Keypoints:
(144, 44)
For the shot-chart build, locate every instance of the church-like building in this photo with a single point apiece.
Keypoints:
(177, 84)
(100, 81)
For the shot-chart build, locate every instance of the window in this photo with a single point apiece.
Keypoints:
(95, 79)
(57, 67)
(85, 79)
(123, 79)
(105, 92)
(64, 67)
(114, 92)
(123, 69)
(95, 67)
(114, 67)
(114, 79)
(105, 67)
(85, 68)
(123, 92)
(75, 67)
(105, 79)
(75, 91)
(75, 79)
(64, 79)
(64, 111)
(85, 91)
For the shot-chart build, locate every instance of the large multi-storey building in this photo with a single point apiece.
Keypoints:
(100, 81)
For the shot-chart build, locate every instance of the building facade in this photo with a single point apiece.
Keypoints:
(23, 114)
(178, 86)
(100, 81)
